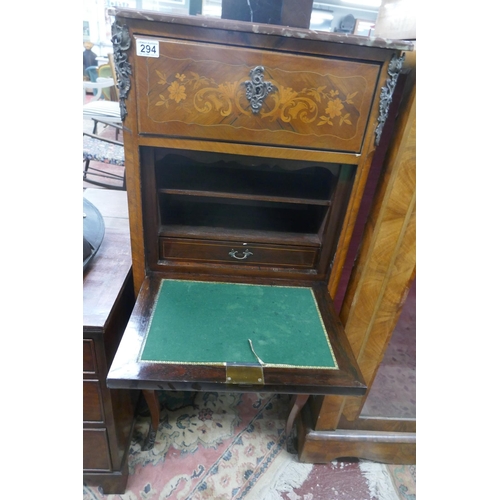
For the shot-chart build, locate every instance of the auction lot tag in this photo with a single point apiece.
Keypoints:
(148, 48)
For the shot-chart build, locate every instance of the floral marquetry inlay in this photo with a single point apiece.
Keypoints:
(323, 106)
(265, 97)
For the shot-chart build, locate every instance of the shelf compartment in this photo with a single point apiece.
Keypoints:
(229, 195)
(240, 214)
(197, 196)
(264, 180)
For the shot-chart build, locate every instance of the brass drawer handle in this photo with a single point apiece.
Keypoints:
(246, 253)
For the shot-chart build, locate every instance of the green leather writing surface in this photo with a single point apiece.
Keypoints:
(197, 322)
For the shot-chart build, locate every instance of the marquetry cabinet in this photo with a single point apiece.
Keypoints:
(247, 150)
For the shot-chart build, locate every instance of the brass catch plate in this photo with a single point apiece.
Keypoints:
(248, 374)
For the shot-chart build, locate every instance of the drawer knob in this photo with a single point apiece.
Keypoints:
(246, 253)
(257, 88)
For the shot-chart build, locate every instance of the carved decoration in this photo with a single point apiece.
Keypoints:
(121, 43)
(257, 89)
(394, 69)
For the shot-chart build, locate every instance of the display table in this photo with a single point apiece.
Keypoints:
(108, 298)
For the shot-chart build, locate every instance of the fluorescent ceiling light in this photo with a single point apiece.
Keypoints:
(364, 3)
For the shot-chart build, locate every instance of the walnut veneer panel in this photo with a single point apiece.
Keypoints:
(384, 271)
(198, 90)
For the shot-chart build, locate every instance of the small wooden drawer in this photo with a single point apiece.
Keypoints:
(92, 402)
(95, 450)
(89, 361)
(237, 253)
(204, 91)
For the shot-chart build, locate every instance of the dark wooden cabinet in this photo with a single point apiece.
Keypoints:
(247, 149)
(108, 299)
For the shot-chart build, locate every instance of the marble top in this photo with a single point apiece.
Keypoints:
(260, 28)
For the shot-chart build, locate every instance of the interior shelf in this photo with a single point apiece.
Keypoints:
(240, 214)
(240, 196)
(266, 182)
(237, 235)
(240, 199)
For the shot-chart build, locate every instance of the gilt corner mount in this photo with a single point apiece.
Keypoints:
(395, 67)
(121, 43)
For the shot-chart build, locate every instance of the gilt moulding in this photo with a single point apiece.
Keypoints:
(121, 43)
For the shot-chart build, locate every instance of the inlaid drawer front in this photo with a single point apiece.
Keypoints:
(92, 404)
(89, 362)
(216, 92)
(234, 253)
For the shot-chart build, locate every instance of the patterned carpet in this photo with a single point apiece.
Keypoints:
(231, 446)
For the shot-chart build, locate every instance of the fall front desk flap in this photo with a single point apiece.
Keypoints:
(218, 323)
(195, 89)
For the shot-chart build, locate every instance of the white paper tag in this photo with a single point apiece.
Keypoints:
(148, 48)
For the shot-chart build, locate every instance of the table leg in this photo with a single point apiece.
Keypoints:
(151, 398)
(298, 402)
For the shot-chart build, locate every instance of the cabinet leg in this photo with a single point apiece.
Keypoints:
(298, 402)
(151, 398)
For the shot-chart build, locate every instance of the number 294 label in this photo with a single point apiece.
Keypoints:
(148, 48)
